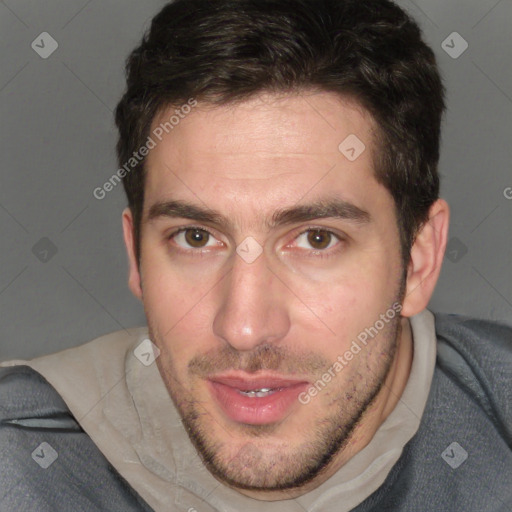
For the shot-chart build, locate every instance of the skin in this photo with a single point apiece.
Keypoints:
(290, 310)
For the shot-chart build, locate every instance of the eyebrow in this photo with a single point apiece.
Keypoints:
(321, 209)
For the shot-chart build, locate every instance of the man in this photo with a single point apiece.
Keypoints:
(285, 234)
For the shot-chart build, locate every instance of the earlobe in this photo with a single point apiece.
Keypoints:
(134, 279)
(427, 255)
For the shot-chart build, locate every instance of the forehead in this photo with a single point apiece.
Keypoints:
(264, 153)
(268, 123)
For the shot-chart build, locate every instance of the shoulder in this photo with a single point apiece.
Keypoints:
(96, 366)
(475, 333)
(484, 345)
(47, 462)
(477, 355)
(25, 393)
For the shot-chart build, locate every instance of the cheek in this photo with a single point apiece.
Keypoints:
(169, 290)
(354, 299)
(176, 307)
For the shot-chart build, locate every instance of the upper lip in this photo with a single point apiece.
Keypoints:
(251, 382)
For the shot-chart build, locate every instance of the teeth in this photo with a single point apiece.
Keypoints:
(258, 392)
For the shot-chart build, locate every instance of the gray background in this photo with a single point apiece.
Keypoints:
(57, 142)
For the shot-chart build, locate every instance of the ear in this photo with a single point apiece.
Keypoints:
(134, 279)
(427, 255)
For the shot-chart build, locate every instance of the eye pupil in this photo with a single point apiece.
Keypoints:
(315, 237)
(196, 236)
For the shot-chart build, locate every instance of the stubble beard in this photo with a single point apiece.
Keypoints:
(259, 466)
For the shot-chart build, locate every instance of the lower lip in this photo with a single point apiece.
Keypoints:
(256, 410)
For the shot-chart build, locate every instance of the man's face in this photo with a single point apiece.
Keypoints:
(228, 322)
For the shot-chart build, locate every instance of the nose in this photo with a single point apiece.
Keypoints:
(252, 306)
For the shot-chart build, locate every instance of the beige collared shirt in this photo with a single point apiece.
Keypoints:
(125, 408)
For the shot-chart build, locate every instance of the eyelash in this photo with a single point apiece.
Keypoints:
(319, 253)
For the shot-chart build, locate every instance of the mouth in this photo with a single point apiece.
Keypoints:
(255, 400)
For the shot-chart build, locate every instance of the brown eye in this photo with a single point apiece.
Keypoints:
(319, 239)
(192, 238)
(196, 237)
(320, 243)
